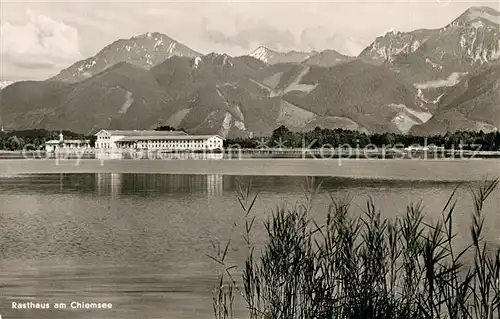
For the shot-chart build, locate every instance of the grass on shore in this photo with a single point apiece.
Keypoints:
(363, 267)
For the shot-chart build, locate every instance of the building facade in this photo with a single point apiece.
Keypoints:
(62, 144)
(156, 140)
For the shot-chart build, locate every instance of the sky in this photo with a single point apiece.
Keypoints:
(40, 38)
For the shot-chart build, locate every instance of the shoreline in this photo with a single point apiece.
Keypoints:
(336, 154)
(408, 169)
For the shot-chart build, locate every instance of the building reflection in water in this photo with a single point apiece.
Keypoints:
(116, 184)
(215, 184)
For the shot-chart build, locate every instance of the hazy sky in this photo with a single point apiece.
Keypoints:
(39, 38)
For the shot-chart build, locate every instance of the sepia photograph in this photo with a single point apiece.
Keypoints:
(249, 159)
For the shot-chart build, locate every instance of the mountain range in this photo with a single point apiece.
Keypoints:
(419, 82)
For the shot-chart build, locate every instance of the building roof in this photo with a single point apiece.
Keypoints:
(143, 133)
(167, 138)
(67, 141)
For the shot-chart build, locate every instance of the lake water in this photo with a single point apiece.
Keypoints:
(139, 241)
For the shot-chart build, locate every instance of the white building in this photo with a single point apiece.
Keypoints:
(53, 146)
(156, 140)
(106, 139)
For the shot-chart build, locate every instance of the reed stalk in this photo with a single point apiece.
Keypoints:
(365, 266)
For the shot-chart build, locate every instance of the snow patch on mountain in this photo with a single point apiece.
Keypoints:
(86, 66)
(437, 100)
(452, 80)
(237, 111)
(403, 122)
(477, 24)
(228, 122)
(158, 43)
(5, 83)
(226, 125)
(347, 123)
(274, 80)
(262, 86)
(240, 125)
(420, 95)
(226, 61)
(221, 95)
(261, 53)
(176, 119)
(171, 49)
(495, 54)
(485, 127)
(415, 45)
(82, 69)
(234, 86)
(269, 56)
(434, 65)
(129, 99)
(294, 116)
(197, 62)
(297, 86)
(422, 116)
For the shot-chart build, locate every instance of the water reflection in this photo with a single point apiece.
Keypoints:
(140, 240)
(108, 184)
(48, 183)
(115, 184)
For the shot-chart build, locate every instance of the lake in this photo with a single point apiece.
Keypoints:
(140, 240)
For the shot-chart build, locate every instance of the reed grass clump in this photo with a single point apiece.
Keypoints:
(362, 267)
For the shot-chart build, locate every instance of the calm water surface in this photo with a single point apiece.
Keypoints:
(139, 241)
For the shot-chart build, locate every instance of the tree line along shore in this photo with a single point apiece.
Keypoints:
(284, 138)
